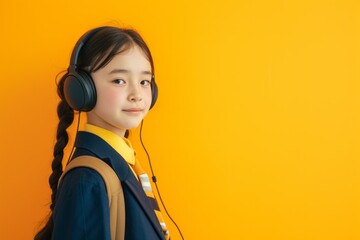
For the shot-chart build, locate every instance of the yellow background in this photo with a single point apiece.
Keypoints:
(256, 133)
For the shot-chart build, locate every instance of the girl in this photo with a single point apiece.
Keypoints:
(111, 78)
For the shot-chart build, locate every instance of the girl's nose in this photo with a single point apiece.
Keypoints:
(135, 95)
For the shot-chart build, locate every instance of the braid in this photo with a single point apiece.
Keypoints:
(66, 117)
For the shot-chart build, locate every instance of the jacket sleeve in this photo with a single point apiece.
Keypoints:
(82, 207)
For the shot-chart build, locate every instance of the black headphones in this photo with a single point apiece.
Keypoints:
(79, 88)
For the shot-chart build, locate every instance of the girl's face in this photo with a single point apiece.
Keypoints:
(123, 92)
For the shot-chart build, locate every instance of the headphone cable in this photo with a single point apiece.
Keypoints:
(155, 180)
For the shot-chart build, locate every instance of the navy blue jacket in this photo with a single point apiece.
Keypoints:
(82, 207)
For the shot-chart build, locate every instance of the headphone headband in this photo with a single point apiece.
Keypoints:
(80, 43)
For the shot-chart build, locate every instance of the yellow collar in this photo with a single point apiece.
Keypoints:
(121, 145)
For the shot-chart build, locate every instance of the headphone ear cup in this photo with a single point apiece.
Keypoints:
(80, 91)
(154, 93)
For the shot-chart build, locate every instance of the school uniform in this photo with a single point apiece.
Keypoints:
(82, 207)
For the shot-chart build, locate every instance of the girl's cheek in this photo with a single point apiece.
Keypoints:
(109, 97)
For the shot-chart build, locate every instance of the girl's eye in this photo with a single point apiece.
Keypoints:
(145, 83)
(118, 81)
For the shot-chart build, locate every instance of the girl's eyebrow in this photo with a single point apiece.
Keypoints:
(128, 71)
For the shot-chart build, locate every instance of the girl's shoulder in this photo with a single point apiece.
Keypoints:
(82, 206)
(83, 180)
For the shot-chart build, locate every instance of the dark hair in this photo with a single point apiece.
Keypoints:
(96, 53)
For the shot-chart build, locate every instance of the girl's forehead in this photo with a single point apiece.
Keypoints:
(131, 58)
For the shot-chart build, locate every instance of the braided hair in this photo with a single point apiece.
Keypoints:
(97, 52)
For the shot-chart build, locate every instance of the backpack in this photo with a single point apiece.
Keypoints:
(114, 191)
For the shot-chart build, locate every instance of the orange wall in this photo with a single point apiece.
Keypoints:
(256, 134)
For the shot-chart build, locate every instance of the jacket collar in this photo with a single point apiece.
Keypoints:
(104, 151)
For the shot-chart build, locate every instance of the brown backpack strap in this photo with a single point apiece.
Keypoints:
(114, 191)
